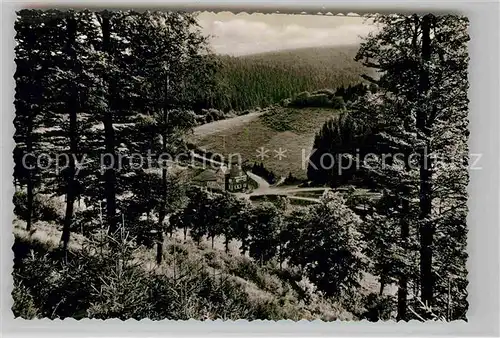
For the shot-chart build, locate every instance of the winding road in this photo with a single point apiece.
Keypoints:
(266, 189)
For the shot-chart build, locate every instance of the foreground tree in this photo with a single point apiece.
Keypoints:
(34, 36)
(264, 232)
(423, 97)
(331, 246)
(172, 65)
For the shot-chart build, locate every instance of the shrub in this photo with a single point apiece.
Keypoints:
(318, 100)
(20, 205)
(328, 246)
(338, 102)
(321, 99)
(24, 304)
(300, 100)
(214, 259)
(377, 307)
(49, 208)
(286, 102)
(45, 207)
(290, 179)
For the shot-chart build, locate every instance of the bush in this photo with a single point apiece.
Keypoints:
(377, 307)
(24, 305)
(45, 208)
(300, 100)
(214, 259)
(290, 179)
(338, 102)
(259, 170)
(320, 99)
(286, 102)
(49, 209)
(99, 281)
(269, 310)
(20, 205)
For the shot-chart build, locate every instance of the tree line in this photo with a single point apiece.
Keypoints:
(105, 82)
(125, 82)
(415, 128)
(320, 240)
(246, 82)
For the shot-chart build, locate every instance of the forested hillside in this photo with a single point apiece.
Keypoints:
(259, 80)
(109, 222)
(289, 129)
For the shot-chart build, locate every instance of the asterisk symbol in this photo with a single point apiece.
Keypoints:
(280, 153)
(262, 153)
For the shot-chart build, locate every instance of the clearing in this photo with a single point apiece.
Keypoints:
(261, 136)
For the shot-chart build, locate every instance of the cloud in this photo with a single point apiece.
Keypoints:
(238, 36)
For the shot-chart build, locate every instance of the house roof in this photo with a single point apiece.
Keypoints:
(206, 175)
(235, 171)
(211, 175)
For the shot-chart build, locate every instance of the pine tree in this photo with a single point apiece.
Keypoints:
(264, 232)
(330, 246)
(172, 64)
(33, 60)
(336, 149)
(423, 62)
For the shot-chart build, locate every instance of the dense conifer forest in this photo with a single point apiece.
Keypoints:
(107, 227)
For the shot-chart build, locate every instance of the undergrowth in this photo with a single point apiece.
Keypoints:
(104, 280)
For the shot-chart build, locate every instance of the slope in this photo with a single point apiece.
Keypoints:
(262, 137)
(262, 79)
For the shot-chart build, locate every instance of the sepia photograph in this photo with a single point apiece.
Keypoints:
(176, 165)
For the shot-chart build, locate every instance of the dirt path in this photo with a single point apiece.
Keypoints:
(218, 126)
(264, 188)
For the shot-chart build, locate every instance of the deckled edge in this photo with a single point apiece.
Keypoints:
(254, 8)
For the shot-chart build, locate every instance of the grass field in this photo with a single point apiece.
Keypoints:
(289, 129)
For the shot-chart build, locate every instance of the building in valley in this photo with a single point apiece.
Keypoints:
(237, 179)
(222, 179)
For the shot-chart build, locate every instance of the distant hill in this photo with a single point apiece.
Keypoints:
(265, 78)
(289, 129)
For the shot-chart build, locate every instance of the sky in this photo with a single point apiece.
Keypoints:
(241, 34)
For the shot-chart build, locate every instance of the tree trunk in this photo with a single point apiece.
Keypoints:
(68, 218)
(30, 184)
(426, 228)
(280, 256)
(402, 292)
(405, 208)
(162, 210)
(72, 108)
(29, 202)
(163, 203)
(161, 216)
(159, 249)
(243, 247)
(382, 286)
(110, 174)
(109, 135)
(405, 232)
